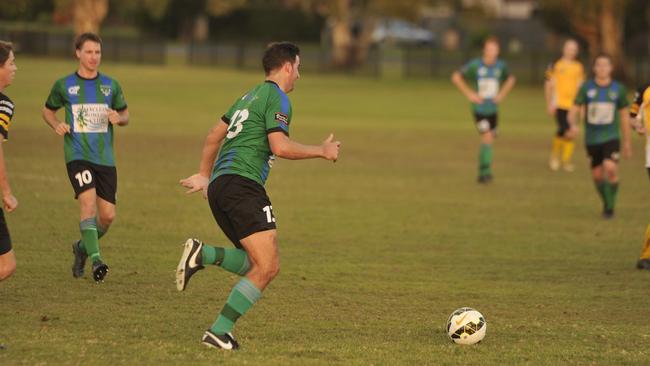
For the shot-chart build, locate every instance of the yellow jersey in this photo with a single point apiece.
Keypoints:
(567, 77)
(641, 104)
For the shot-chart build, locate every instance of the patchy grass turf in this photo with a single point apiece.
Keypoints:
(377, 249)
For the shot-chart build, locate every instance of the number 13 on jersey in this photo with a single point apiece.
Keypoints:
(237, 123)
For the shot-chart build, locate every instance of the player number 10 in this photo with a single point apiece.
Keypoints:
(83, 178)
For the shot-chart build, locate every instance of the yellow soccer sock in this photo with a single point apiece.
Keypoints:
(645, 253)
(567, 151)
(558, 143)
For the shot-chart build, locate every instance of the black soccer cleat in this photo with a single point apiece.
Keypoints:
(100, 270)
(484, 179)
(80, 257)
(190, 263)
(608, 214)
(643, 264)
(223, 341)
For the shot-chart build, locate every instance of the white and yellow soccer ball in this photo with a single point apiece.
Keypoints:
(466, 326)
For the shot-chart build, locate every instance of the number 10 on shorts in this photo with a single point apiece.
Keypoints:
(268, 210)
(83, 178)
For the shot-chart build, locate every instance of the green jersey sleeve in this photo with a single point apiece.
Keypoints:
(228, 115)
(581, 98)
(469, 70)
(278, 112)
(622, 101)
(55, 100)
(119, 103)
(505, 72)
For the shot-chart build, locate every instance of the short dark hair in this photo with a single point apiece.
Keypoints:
(5, 50)
(277, 54)
(605, 56)
(491, 39)
(84, 37)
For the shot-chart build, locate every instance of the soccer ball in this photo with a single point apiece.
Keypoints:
(466, 326)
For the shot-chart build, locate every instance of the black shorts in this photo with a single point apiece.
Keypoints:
(5, 239)
(562, 119)
(486, 123)
(240, 206)
(85, 175)
(609, 150)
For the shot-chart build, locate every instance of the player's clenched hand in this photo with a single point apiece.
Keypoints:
(550, 109)
(195, 183)
(9, 202)
(113, 117)
(475, 98)
(572, 132)
(331, 148)
(61, 129)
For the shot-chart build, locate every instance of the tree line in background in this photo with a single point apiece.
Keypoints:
(603, 25)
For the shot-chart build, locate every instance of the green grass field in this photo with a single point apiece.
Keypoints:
(377, 250)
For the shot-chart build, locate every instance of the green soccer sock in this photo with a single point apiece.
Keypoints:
(89, 240)
(485, 160)
(232, 260)
(611, 189)
(600, 187)
(242, 298)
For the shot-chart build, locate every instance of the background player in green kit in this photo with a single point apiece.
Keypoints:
(7, 71)
(93, 103)
(603, 105)
(251, 134)
(485, 82)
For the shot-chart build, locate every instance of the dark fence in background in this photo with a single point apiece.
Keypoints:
(410, 61)
(119, 49)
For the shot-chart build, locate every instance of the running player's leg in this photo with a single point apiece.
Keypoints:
(88, 223)
(7, 258)
(106, 186)
(644, 259)
(568, 143)
(262, 249)
(105, 216)
(610, 169)
(558, 142)
(7, 264)
(486, 127)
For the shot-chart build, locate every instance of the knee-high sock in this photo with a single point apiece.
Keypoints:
(242, 298)
(600, 187)
(567, 151)
(645, 252)
(558, 142)
(232, 260)
(610, 191)
(101, 230)
(485, 160)
(89, 240)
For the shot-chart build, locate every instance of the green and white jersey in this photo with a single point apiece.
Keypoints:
(246, 150)
(486, 80)
(86, 103)
(602, 117)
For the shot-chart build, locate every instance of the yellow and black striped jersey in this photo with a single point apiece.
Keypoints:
(567, 77)
(641, 104)
(6, 113)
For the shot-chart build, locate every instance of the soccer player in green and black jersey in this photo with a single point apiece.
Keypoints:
(93, 104)
(603, 104)
(251, 134)
(7, 71)
(485, 82)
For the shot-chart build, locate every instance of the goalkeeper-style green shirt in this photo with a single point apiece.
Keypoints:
(246, 150)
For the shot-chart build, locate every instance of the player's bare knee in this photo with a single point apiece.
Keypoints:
(107, 218)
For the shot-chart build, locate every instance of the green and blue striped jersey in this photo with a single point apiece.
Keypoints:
(486, 80)
(602, 117)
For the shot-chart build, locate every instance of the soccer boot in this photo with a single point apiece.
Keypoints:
(190, 263)
(485, 179)
(643, 264)
(554, 164)
(224, 341)
(80, 257)
(100, 269)
(608, 213)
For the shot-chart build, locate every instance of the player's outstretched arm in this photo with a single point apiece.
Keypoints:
(199, 181)
(9, 202)
(471, 95)
(49, 116)
(120, 118)
(283, 147)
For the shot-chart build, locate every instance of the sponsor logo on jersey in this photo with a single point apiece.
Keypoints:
(90, 118)
(74, 90)
(282, 118)
(613, 95)
(591, 93)
(106, 90)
